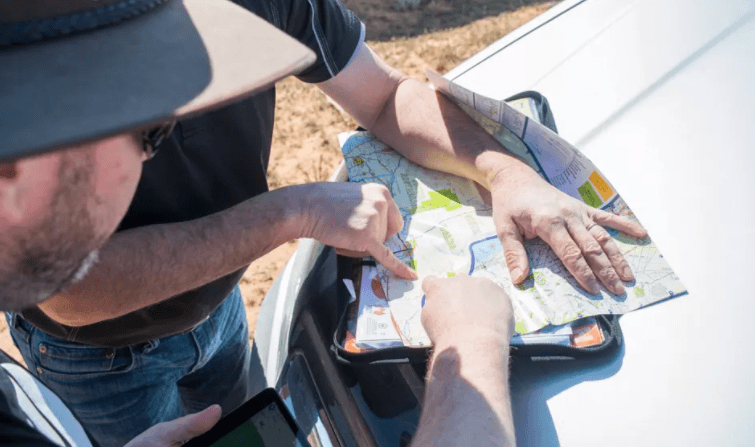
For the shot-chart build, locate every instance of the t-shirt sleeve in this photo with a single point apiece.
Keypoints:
(330, 29)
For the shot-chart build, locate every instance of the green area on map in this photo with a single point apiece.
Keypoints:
(444, 198)
(589, 195)
(449, 238)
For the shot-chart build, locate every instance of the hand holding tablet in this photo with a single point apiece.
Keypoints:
(263, 421)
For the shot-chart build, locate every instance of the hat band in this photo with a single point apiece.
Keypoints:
(22, 32)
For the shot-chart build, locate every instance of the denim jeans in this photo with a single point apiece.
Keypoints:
(119, 393)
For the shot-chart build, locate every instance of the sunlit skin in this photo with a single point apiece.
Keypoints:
(118, 163)
(58, 208)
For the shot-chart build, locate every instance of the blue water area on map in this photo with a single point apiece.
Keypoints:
(483, 249)
(353, 142)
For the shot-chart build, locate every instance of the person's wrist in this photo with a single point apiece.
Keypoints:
(512, 177)
(297, 212)
(503, 171)
(471, 339)
(475, 354)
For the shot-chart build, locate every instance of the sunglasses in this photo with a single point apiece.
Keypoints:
(152, 138)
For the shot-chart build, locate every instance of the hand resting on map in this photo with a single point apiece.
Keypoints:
(430, 130)
(526, 206)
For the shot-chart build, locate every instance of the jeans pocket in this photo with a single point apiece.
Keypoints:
(65, 360)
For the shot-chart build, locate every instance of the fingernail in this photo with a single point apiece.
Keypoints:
(627, 272)
(594, 287)
(516, 274)
(618, 288)
(410, 273)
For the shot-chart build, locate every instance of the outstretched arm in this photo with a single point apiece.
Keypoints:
(430, 130)
(146, 265)
(470, 321)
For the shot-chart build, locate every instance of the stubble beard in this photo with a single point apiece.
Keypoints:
(61, 249)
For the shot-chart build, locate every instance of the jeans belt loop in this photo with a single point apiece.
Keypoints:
(13, 319)
(15, 324)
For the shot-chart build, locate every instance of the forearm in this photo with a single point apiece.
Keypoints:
(467, 397)
(146, 265)
(432, 131)
(418, 122)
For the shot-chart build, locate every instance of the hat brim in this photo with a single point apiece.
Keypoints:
(187, 57)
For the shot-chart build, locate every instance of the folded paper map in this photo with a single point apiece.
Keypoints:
(449, 229)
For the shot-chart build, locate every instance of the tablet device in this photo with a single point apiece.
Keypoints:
(262, 421)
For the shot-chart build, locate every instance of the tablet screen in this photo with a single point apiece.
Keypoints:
(266, 428)
(261, 422)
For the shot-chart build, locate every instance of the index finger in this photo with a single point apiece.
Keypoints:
(395, 221)
(629, 226)
(385, 256)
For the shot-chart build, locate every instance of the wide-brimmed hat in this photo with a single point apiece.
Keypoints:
(73, 71)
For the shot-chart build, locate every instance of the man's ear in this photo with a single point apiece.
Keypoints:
(10, 209)
(8, 171)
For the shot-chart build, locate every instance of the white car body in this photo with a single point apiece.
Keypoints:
(660, 95)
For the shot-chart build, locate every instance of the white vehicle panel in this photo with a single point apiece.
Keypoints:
(271, 334)
(660, 95)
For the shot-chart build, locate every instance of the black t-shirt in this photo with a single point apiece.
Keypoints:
(33, 416)
(212, 162)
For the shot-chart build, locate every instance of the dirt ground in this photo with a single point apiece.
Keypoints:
(410, 35)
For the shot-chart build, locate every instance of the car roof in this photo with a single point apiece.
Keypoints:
(622, 51)
(659, 94)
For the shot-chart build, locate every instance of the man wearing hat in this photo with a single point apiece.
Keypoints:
(61, 197)
(88, 91)
(63, 191)
(168, 334)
